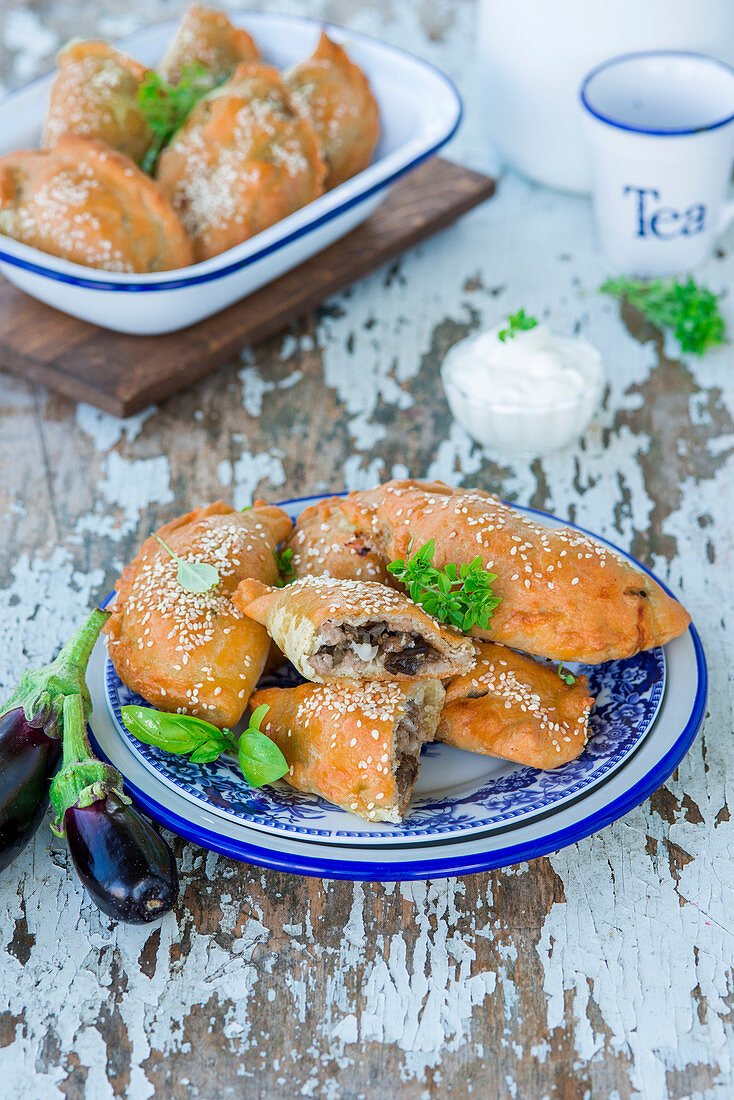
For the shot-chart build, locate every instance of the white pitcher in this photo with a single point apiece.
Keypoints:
(533, 55)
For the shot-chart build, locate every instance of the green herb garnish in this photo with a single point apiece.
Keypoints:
(166, 106)
(518, 322)
(260, 759)
(566, 675)
(194, 576)
(691, 311)
(286, 569)
(457, 594)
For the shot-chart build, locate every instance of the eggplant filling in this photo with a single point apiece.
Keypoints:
(409, 737)
(350, 648)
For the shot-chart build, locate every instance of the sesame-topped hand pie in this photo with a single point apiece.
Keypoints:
(89, 204)
(243, 159)
(335, 96)
(95, 94)
(354, 630)
(325, 543)
(516, 708)
(207, 38)
(196, 653)
(355, 744)
(565, 596)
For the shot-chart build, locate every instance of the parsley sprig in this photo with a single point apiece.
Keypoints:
(457, 594)
(286, 568)
(691, 311)
(166, 106)
(517, 322)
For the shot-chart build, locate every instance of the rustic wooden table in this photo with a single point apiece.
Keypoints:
(604, 970)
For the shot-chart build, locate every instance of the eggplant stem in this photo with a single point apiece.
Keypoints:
(77, 651)
(76, 743)
(49, 685)
(82, 779)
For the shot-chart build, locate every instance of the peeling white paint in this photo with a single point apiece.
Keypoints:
(106, 430)
(634, 967)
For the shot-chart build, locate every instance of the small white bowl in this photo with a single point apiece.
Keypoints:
(420, 110)
(512, 428)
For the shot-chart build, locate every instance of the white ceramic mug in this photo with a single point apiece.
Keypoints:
(660, 127)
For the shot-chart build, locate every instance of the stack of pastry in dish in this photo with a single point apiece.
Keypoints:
(255, 146)
(382, 677)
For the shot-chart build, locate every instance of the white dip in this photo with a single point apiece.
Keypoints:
(533, 392)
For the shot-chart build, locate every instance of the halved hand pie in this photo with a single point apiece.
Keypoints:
(354, 630)
(355, 744)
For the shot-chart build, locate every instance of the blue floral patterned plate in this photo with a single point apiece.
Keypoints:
(457, 793)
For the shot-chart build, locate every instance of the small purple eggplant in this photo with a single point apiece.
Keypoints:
(124, 863)
(28, 759)
(30, 741)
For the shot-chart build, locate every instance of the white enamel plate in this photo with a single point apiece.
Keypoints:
(467, 812)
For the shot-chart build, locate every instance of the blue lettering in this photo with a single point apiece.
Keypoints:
(665, 213)
(641, 192)
(695, 217)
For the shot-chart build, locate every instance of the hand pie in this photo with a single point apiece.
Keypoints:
(196, 654)
(565, 596)
(357, 745)
(326, 544)
(335, 96)
(243, 160)
(85, 202)
(354, 630)
(207, 37)
(95, 94)
(513, 707)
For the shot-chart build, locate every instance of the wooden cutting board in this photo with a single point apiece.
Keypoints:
(122, 374)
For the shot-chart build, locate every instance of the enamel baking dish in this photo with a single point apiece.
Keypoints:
(420, 110)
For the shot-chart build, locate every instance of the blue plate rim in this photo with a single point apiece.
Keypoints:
(416, 835)
(374, 871)
(457, 865)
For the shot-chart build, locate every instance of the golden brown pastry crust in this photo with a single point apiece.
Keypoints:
(565, 596)
(513, 707)
(243, 160)
(88, 203)
(326, 544)
(306, 615)
(340, 740)
(207, 37)
(95, 94)
(196, 654)
(335, 96)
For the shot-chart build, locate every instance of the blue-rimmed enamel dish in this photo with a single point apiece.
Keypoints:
(469, 813)
(420, 111)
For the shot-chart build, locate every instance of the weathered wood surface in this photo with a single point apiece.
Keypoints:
(604, 970)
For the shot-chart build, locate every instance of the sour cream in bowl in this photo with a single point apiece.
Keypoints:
(523, 390)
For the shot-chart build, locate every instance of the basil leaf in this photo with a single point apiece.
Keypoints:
(257, 717)
(193, 576)
(197, 576)
(175, 733)
(159, 729)
(210, 750)
(260, 759)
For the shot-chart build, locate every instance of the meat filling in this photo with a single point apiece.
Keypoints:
(350, 648)
(409, 736)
